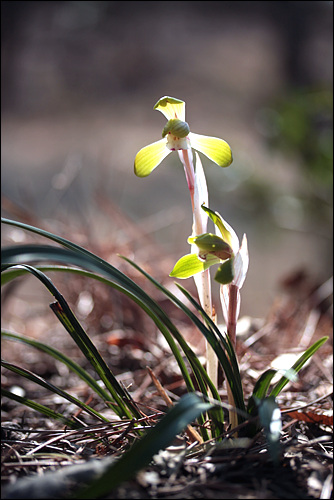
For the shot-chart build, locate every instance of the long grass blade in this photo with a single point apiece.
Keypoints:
(298, 365)
(33, 253)
(23, 372)
(10, 274)
(78, 334)
(40, 408)
(72, 365)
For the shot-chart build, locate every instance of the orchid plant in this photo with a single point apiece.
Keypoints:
(176, 136)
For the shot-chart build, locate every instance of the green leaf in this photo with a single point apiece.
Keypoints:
(260, 390)
(79, 256)
(141, 453)
(47, 385)
(190, 264)
(221, 347)
(214, 148)
(72, 365)
(69, 321)
(41, 409)
(225, 272)
(298, 365)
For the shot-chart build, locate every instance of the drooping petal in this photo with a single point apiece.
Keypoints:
(241, 262)
(214, 148)
(201, 197)
(149, 157)
(171, 108)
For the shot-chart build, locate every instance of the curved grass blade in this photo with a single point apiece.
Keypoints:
(260, 390)
(40, 408)
(72, 365)
(140, 454)
(80, 257)
(23, 372)
(298, 365)
(74, 328)
(95, 263)
(28, 253)
(33, 253)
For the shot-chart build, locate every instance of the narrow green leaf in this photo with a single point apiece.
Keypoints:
(72, 365)
(69, 321)
(229, 362)
(141, 453)
(79, 256)
(298, 365)
(52, 388)
(40, 408)
(260, 390)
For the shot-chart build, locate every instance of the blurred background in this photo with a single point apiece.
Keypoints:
(79, 82)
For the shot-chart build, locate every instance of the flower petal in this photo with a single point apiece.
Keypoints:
(171, 108)
(214, 148)
(241, 262)
(149, 157)
(200, 218)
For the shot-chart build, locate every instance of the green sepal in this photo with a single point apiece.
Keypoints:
(225, 272)
(217, 220)
(190, 264)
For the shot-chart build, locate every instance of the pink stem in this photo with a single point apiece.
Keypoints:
(190, 174)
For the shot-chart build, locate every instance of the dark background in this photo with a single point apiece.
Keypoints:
(79, 82)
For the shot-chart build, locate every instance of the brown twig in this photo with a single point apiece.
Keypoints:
(191, 432)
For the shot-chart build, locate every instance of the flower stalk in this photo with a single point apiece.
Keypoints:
(176, 136)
